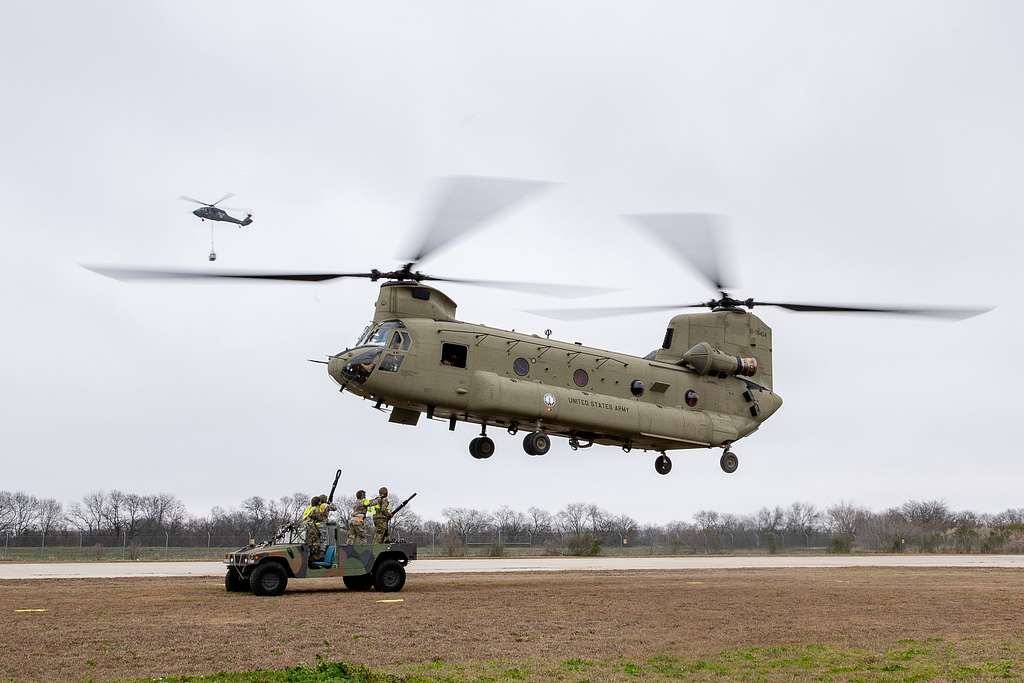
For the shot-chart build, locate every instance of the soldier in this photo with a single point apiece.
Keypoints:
(312, 516)
(382, 518)
(313, 502)
(321, 513)
(357, 525)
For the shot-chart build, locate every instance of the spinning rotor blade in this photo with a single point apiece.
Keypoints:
(229, 194)
(924, 311)
(545, 289)
(463, 204)
(188, 274)
(590, 313)
(125, 274)
(693, 236)
(194, 201)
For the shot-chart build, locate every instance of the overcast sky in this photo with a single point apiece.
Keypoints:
(867, 152)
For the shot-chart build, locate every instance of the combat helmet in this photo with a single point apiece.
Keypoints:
(383, 491)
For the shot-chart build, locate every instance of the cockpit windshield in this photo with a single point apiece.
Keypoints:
(378, 334)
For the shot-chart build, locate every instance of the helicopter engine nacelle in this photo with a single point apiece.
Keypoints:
(705, 359)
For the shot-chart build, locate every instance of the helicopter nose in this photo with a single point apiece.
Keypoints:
(196, 213)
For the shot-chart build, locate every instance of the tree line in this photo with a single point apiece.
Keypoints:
(120, 518)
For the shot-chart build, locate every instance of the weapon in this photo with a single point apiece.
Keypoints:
(337, 476)
(403, 504)
(387, 522)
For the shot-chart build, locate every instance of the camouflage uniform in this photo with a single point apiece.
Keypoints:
(357, 525)
(312, 516)
(382, 518)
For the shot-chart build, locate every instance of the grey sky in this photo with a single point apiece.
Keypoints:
(868, 152)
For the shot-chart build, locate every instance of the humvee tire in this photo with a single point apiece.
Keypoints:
(234, 582)
(268, 578)
(358, 583)
(389, 577)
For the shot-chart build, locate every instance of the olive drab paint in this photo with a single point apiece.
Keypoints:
(708, 385)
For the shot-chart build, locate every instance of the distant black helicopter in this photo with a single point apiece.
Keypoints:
(214, 213)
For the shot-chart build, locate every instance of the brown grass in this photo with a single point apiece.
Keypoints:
(147, 627)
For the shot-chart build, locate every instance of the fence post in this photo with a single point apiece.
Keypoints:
(167, 540)
(124, 541)
(42, 546)
(207, 540)
(79, 544)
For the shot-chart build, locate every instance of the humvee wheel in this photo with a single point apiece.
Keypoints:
(390, 577)
(268, 578)
(234, 582)
(729, 462)
(358, 583)
(536, 443)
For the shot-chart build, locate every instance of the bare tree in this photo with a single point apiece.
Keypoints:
(50, 517)
(596, 518)
(463, 522)
(707, 521)
(509, 523)
(541, 521)
(843, 518)
(573, 519)
(24, 512)
(802, 519)
(623, 526)
(6, 511)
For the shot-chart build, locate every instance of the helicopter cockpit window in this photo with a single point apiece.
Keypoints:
(378, 335)
(391, 363)
(400, 341)
(454, 355)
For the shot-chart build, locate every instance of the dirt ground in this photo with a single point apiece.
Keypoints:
(148, 627)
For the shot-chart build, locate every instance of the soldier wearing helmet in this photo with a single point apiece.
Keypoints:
(357, 525)
(312, 516)
(382, 516)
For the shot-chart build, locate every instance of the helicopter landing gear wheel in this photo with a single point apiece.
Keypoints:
(536, 443)
(729, 462)
(663, 464)
(481, 448)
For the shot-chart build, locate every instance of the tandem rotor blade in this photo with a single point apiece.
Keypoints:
(693, 236)
(920, 311)
(545, 289)
(614, 311)
(465, 203)
(119, 273)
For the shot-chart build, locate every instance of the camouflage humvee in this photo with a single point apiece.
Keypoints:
(265, 568)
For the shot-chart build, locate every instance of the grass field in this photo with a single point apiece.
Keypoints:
(906, 660)
(777, 624)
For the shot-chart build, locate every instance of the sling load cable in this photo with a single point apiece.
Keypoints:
(213, 254)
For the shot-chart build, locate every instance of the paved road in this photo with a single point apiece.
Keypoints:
(98, 570)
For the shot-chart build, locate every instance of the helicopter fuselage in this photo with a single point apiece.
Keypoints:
(417, 359)
(212, 213)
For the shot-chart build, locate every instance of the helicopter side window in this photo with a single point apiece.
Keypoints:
(396, 341)
(454, 355)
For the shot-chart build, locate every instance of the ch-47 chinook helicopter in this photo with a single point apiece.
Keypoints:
(707, 386)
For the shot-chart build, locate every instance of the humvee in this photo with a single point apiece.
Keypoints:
(265, 568)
